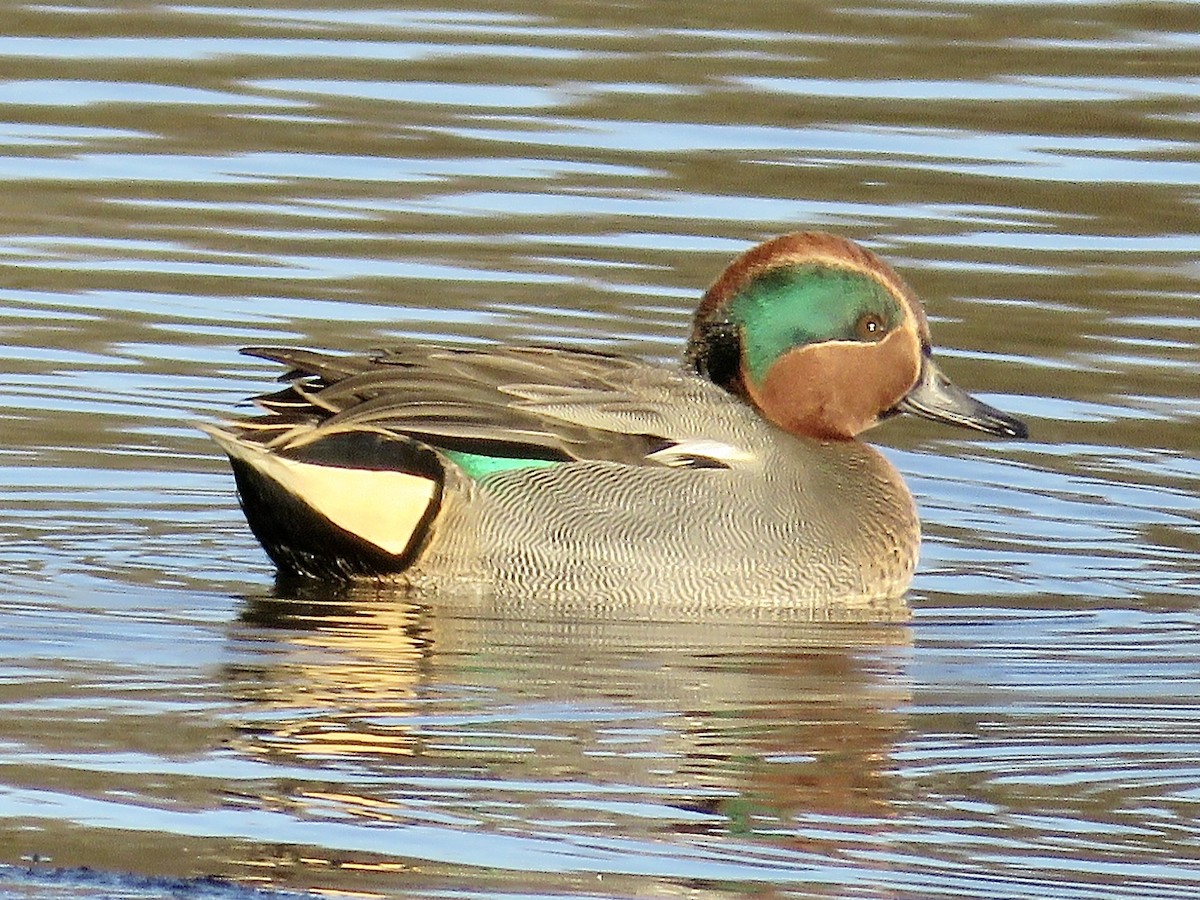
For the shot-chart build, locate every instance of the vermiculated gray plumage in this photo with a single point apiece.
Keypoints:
(653, 485)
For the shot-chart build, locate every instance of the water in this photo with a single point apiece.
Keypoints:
(184, 179)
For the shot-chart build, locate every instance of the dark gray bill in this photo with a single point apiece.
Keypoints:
(936, 397)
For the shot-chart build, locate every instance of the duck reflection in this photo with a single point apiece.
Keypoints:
(475, 711)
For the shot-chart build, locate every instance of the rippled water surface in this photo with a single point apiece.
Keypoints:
(184, 179)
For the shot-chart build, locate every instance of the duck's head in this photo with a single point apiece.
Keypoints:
(825, 340)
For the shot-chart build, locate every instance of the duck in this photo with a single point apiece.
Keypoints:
(736, 480)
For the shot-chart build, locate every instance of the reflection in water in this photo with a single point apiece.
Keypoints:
(742, 724)
(340, 661)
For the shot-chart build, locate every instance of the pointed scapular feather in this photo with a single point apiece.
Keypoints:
(531, 403)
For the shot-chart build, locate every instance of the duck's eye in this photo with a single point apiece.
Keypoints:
(869, 327)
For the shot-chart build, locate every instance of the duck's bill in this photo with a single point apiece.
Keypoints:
(936, 397)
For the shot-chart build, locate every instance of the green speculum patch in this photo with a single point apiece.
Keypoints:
(478, 466)
(794, 306)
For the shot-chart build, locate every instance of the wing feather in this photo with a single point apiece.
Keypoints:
(536, 402)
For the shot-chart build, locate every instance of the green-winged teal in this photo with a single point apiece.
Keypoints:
(737, 480)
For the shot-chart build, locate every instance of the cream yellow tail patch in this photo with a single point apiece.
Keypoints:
(381, 507)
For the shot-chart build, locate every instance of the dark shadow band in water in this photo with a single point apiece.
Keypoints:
(36, 881)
